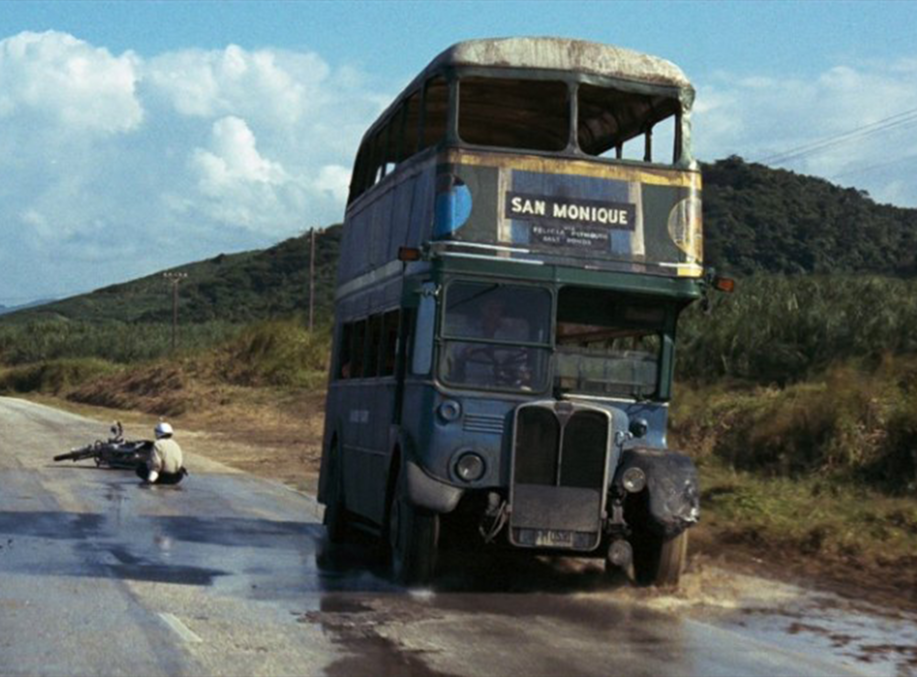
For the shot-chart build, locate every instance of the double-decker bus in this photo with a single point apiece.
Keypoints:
(522, 231)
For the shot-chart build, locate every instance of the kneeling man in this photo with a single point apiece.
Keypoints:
(165, 463)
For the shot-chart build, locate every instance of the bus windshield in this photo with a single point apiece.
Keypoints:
(496, 337)
(607, 345)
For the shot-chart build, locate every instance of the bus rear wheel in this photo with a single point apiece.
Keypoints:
(660, 561)
(336, 520)
(413, 536)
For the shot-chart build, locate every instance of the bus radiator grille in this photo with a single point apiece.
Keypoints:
(568, 452)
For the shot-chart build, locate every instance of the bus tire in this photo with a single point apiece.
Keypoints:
(659, 561)
(413, 536)
(336, 519)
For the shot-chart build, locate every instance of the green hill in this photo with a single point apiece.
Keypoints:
(234, 288)
(758, 219)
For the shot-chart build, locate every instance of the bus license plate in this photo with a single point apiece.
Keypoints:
(552, 538)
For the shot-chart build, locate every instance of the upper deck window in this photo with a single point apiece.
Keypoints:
(435, 112)
(610, 118)
(511, 113)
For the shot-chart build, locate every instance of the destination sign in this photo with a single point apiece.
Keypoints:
(557, 210)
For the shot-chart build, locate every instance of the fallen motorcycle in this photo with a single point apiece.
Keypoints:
(116, 452)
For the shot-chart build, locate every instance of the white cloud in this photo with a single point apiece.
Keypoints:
(275, 85)
(334, 180)
(115, 166)
(759, 117)
(72, 84)
(234, 159)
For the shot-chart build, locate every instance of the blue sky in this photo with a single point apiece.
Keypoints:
(139, 135)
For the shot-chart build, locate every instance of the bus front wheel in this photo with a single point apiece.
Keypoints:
(413, 536)
(659, 561)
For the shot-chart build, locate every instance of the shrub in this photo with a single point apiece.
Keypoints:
(54, 376)
(276, 353)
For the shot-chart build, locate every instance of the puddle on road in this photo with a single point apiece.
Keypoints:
(867, 638)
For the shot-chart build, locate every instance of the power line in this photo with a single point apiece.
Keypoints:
(896, 121)
(878, 165)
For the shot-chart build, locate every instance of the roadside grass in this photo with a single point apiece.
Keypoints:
(275, 353)
(272, 355)
(54, 377)
(778, 329)
(812, 516)
(833, 534)
(119, 342)
(817, 478)
(852, 424)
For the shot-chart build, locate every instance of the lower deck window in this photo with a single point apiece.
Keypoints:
(496, 336)
(608, 344)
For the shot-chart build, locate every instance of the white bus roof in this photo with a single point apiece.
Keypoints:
(564, 54)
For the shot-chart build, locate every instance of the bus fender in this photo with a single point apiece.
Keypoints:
(430, 493)
(670, 502)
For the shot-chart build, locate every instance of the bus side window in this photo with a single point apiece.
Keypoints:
(345, 353)
(358, 178)
(410, 141)
(359, 348)
(374, 347)
(435, 108)
(388, 144)
(389, 343)
(422, 358)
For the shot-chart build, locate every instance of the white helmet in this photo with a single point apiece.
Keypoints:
(163, 429)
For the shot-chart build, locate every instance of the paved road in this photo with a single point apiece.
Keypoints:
(230, 575)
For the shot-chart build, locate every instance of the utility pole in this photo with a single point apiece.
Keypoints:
(174, 279)
(312, 282)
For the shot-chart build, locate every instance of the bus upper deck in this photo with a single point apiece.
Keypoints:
(537, 150)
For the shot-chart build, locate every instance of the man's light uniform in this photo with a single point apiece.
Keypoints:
(165, 464)
(166, 456)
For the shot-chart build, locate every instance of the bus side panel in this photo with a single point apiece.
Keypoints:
(378, 236)
(421, 223)
(404, 197)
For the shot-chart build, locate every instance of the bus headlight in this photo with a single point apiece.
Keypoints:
(634, 480)
(449, 410)
(470, 467)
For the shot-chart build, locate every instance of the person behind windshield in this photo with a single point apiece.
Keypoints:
(506, 365)
(165, 465)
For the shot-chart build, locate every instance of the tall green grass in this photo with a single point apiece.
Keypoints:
(123, 343)
(852, 423)
(778, 329)
(275, 353)
(53, 377)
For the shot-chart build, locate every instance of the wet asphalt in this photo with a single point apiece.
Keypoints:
(228, 574)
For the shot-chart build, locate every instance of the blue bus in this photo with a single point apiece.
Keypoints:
(522, 231)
